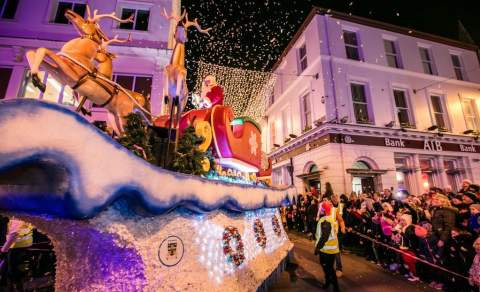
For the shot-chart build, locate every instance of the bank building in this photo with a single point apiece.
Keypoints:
(367, 105)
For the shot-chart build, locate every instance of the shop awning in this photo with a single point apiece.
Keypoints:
(366, 172)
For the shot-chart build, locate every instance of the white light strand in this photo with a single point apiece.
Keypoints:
(209, 240)
(246, 91)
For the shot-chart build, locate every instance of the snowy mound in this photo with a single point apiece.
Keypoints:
(83, 171)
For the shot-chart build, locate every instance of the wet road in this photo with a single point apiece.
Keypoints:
(358, 273)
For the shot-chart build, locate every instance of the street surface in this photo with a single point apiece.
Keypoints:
(358, 273)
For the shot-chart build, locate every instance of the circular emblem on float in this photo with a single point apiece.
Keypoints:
(233, 246)
(276, 226)
(259, 233)
(170, 251)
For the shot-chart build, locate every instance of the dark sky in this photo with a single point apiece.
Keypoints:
(253, 34)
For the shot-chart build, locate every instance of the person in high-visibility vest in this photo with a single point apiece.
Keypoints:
(327, 246)
(14, 251)
(338, 205)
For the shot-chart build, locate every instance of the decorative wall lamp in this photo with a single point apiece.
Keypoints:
(390, 124)
(474, 133)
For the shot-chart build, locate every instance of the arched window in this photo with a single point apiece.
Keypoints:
(313, 168)
(361, 165)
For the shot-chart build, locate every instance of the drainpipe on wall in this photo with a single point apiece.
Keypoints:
(334, 96)
(330, 67)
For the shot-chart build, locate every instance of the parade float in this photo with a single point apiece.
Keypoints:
(119, 223)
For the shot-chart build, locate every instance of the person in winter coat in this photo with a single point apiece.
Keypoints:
(474, 220)
(474, 272)
(311, 218)
(327, 245)
(443, 219)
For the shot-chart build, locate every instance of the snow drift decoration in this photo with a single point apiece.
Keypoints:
(96, 171)
(118, 223)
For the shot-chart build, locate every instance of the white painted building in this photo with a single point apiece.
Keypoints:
(368, 105)
(30, 24)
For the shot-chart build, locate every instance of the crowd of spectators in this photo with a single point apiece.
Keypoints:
(433, 237)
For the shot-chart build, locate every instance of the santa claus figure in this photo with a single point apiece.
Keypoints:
(212, 93)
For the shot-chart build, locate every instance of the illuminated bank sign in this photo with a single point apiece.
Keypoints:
(431, 145)
(428, 145)
(468, 148)
(390, 142)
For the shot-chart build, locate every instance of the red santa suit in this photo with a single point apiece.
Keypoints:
(215, 95)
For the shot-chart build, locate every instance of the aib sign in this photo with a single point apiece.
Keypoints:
(171, 250)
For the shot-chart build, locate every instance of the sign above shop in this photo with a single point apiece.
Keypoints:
(428, 144)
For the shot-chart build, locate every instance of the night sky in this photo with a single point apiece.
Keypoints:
(253, 34)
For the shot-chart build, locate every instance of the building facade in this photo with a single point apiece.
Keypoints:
(30, 24)
(366, 105)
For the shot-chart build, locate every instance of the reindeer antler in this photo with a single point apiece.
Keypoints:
(172, 16)
(116, 40)
(195, 23)
(89, 14)
(97, 17)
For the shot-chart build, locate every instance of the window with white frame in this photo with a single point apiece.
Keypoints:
(139, 83)
(8, 8)
(5, 74)
(392, 54)
(404, 115)
(272, 135)
(55, 92)
(439, 112)
(454, 170)
(78, 6)
(140, 18)
(428, 171)
(470, 114)
(306, 111)
(351, 45)
(360, 103)
(271, 98)
(285, 125)
(457, 66)
(302, 58)
(427, 61)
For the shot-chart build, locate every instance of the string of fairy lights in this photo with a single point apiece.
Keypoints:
(246, 91)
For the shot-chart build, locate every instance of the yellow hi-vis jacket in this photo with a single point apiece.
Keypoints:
(24, 230)
(331, 246)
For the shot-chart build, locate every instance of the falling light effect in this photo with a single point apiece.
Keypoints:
(246, 91)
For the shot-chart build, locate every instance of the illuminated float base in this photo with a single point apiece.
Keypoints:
(144, 231)
(180, 251)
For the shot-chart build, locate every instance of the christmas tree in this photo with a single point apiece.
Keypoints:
(137, 137)
(188, 158)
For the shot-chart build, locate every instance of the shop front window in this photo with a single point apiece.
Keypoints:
(454, 171)
(428, 173)
(403, 172)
